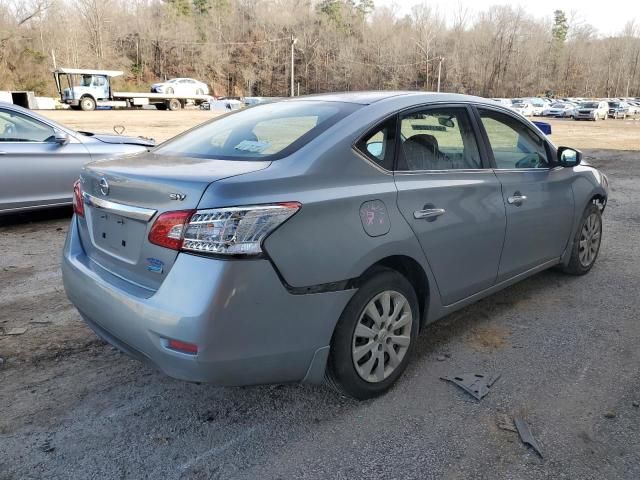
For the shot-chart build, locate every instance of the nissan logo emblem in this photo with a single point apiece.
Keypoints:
(104, 186)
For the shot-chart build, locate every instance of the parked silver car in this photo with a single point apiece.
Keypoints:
(315, 237)
(592, 110)
(41, 158)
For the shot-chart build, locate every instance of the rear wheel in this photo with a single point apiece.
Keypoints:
(374, 337)
(586, 243)
(87, 104)
(174, 104)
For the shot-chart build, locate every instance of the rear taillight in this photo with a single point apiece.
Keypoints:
(78, 204)
(168, 229)
(222, 231)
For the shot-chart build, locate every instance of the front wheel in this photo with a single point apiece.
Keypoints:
(87, 104)
(374, 337)
(586, 243)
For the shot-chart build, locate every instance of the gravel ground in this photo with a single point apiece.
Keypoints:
(72, 407)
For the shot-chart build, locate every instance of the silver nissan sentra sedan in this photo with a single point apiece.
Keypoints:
(314, 238)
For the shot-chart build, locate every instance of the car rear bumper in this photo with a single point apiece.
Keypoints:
(248, 327)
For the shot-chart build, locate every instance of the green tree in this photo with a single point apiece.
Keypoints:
(560, 27)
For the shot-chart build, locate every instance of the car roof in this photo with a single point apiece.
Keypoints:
(370, 97)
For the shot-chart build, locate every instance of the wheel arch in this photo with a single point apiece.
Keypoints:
(411, 270)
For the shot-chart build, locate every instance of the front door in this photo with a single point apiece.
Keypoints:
(451, 199)
(34, 169)
(538, 197)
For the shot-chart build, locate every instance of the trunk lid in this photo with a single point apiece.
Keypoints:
(123, 197)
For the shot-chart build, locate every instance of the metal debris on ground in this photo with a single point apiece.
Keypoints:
(505, 422)
(526, 436)
(476, 384)
(16, 331)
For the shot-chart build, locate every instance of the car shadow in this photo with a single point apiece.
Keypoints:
(58, 213)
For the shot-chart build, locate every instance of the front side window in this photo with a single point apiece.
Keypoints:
(264, 132)
(513, 143)
(379, 144)
(438, 139)
(16, 127)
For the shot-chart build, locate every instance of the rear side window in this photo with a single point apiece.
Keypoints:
(379, 144)
(514, 144)
(264, 132)
(438, 139)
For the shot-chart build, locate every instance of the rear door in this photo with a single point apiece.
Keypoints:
(34, 169)
(537, 195)
(451, 198)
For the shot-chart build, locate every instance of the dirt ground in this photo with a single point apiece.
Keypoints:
(72, 407)
(612, 134)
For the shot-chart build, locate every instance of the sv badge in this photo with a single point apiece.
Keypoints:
(177, 196)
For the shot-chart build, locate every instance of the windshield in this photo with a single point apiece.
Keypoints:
(614, 104)
(264, 132)
(559, 105)
(589, 105)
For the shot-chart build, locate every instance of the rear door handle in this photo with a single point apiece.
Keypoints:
(429, 214)
(517, 199)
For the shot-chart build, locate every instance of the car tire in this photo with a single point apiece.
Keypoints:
(589, 234)
(174, 104)
(362, 344)
(87, 104)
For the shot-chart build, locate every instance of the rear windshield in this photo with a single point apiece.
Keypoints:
(263, 132)
(614, 104)
(589, 105)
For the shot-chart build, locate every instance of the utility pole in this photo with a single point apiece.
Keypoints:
(440, 71)
(293, 42)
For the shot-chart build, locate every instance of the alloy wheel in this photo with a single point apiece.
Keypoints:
(382, 336)
(589, 240)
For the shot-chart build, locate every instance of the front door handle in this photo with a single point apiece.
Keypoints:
(429, 214)
(517, 199)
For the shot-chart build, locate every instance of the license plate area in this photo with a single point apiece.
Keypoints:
(117, 235)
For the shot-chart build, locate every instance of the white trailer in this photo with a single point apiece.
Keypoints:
(85, 89)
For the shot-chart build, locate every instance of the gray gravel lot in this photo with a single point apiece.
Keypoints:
(567, 348)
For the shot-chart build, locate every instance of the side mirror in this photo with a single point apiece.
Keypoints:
(60, 137)
(569, 157)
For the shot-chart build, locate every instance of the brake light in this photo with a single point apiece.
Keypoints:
(222, 231)
(168, 229)
(78, 203)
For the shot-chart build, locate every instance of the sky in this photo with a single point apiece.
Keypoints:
(607, 16)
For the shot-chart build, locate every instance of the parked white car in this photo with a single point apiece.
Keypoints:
(523, 108)
(560, 110)
(538, 105)
(592, 110)
(634, 107)
(181, 86)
